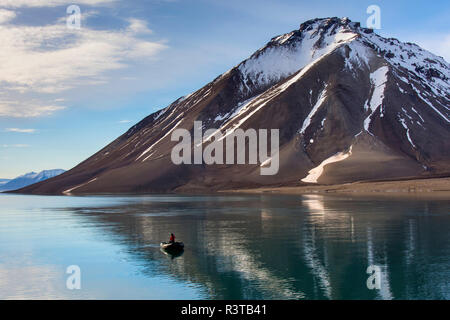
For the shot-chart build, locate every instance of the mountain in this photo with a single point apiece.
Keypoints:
(29, 179)
(349, 104)
(3, 181)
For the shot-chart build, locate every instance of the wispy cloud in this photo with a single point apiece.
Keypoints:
(138, 26)
(51, 3)
(15, 145)
(124, 121)
(27, 109)
(19, 130)
(41, 61)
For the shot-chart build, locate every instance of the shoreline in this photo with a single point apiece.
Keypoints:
(435, 187)
(417, 187)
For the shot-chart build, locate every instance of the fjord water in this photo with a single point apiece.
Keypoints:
(237, 247)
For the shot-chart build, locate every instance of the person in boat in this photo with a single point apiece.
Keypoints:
(172, 238)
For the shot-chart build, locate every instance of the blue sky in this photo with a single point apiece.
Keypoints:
(64, 94)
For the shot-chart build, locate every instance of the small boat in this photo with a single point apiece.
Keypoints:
(172, 246)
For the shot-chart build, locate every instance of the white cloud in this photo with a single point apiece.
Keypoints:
(6, 15)
(47, 60)
(19, 130)
(50, 3)
(124, 121)
(26, 109)
(52, 58)
(138, 26)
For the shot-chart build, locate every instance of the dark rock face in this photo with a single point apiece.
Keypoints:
(330, 87)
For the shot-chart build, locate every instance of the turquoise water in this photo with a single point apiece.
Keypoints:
(237, 247)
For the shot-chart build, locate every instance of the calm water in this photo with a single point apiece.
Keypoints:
(237, 247)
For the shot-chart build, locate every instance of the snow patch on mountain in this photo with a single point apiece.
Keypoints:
(320, 100)
(430, 104)
(378, 80)
(416, 112)
(242, 106)
(430, 68)
(158, 141)
(314, 174)
(403, 122)
(69, 191)
(358, 56)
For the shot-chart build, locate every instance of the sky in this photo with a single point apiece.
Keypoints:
(67, 92)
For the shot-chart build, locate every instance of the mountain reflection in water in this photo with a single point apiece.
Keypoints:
(236, 247)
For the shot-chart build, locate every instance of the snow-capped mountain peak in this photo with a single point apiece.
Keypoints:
(286, 54)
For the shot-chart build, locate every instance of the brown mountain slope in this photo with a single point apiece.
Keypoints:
(333, 89)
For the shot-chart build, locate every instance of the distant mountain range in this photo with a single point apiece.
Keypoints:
(349, 104)
(3, 181)
(28, 179)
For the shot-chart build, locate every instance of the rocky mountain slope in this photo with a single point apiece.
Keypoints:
(349, 104)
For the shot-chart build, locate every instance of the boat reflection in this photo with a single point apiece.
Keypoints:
(172, 254)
